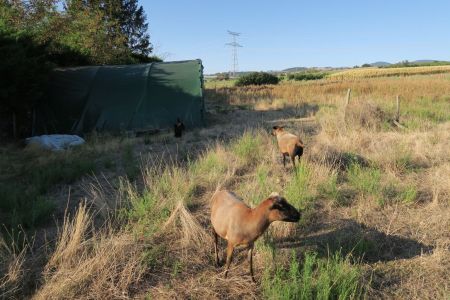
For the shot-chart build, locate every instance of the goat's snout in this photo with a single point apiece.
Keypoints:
(292, 215)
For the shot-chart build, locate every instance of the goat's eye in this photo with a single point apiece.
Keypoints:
(277, 206)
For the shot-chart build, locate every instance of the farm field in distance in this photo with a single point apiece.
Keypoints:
(128, 217)
(382, 72)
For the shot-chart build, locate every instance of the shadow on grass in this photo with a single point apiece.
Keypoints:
(364, 243)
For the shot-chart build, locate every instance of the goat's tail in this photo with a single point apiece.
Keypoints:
(298, 150)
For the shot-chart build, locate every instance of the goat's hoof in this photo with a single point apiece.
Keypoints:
(219, 263)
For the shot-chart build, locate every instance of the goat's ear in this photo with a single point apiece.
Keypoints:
(275, 127)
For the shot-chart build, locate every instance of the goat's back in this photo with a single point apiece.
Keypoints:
(226, 210)
(288, 142)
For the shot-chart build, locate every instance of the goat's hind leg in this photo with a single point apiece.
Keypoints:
(230, 249)
(216, 248)
(250, 261)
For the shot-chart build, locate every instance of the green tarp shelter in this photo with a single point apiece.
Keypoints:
(122, 98)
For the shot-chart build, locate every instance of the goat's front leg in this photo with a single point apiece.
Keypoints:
(230, 248)
(284, 160)
(250, 261)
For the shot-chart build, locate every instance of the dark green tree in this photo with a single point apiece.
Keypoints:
(126, 18)
(23, 72)
(133, 22)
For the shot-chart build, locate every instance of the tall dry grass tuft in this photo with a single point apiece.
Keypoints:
(71, 238)
(103, 264)
(106, 198)
(11, 268)
(189, 229)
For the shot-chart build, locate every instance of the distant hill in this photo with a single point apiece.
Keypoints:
(312, 69)
(380, 64)
(295, 69)
(421, 61)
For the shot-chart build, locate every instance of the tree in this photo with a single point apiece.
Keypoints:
(126, 18)
(134, 26)
(85, 29)
(36, 35)
(24, 70)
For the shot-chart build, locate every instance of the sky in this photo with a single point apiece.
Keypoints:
(283, 34)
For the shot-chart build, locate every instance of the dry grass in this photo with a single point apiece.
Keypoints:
(100, 264)
(374, 198)
(379, 90)
(11, 268)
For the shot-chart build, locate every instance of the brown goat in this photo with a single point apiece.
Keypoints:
(241, 225)
(288, 143)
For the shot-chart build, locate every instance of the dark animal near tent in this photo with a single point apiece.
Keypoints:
(241, 225)
(179, 127)
(288, 143)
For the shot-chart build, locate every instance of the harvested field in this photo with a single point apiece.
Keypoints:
(134, 222)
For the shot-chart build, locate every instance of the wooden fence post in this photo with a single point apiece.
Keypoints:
(397, 115)
(347, 101)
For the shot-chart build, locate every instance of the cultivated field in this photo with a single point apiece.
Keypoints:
(125, 217)
(383, 72)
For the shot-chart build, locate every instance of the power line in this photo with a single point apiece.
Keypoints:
(234, 45)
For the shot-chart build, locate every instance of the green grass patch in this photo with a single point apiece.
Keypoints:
(164, 190)
(211, 162)
(417, 112)
(154, 256)
(408, 195)
(29, 175)
(263, 187)
(130, 163)
(365, 180)
(300, 193)
(396, 192)
(298, 190)
(334, 277)
(248, 147)
(404, 162)
(330, 190)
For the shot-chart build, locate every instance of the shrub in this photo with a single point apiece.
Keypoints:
(257, 78)
(307, 76)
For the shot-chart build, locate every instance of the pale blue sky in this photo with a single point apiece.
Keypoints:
(282, 34)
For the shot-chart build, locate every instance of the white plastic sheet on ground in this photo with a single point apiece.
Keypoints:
(55, 142)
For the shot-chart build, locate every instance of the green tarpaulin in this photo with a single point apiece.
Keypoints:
(117, 98)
